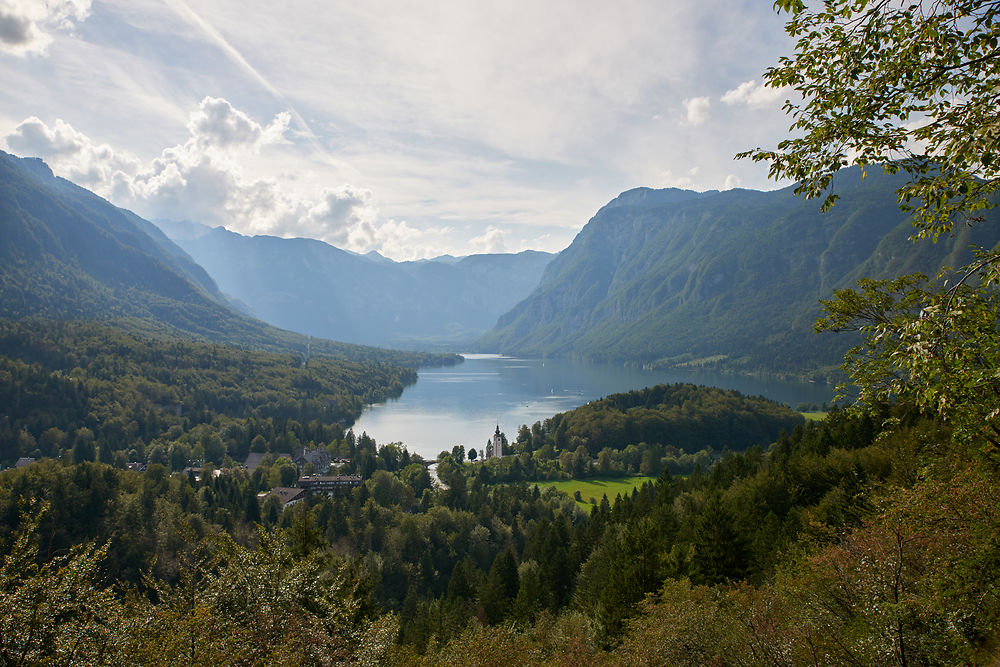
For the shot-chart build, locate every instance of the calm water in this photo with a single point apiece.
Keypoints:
(463, 404)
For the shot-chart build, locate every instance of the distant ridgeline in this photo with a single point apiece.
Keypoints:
(723, 279)
(309, 286)
(65, 253)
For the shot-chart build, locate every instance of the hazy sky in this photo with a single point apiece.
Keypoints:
(411, 128)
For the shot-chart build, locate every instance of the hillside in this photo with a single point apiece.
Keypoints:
(65, 253)
(731, 278)
(309, 286)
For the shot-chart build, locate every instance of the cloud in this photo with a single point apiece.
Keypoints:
(401, 241)
(696, 109)
(732, 181)
(77, 158)
(25, 24)
(755, 95)
(217, 123)
(492, 241)
(344, 216)
(203, 180)
(667, 179)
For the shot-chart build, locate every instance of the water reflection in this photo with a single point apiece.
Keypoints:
(463, 404)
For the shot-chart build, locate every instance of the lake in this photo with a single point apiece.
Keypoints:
(463, 404)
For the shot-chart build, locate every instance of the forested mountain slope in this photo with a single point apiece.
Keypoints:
(65, 253)
(735, 277)
(309, 286)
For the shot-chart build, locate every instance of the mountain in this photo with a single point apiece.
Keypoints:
(729, 279)
(64, 250)
(65, 253)
(310, 286)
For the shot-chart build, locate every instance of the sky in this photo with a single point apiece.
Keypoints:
(414, 129)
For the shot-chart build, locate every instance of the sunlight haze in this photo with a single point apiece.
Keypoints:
(411, 129)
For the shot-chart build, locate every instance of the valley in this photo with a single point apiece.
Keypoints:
(284, 380)
(460, 405)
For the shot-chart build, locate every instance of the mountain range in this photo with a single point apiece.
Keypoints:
(726, 279)
(670, 277)
(310, 286)
(65, 253)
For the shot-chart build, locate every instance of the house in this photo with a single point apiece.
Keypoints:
(328, 484)
(254, 459)
(197, 471)
(319, 458)
(24, 461)
(288, 496)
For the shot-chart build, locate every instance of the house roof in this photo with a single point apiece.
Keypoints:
(288, 495)
(254, 459)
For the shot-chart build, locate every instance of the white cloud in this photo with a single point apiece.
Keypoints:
(667, 179)
(755, 95)
(217, 123)
(25, 24)
(491, 241)
(203, 180)
(345, 217)
(401, 241)
(732, 181)
(79, 159)
(696, 109)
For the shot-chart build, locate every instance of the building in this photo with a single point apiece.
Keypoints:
(288, 496)
(319, 458)
(254, 459)
(494, 447)
(328, 484)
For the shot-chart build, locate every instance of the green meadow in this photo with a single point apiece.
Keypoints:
(597, 487)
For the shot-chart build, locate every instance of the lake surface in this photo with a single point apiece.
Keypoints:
(462, 405)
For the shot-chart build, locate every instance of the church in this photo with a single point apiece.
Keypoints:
(494, 447)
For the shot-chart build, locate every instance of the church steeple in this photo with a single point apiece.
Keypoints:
(497, 444)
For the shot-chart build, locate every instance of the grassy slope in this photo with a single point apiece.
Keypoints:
(597, 487)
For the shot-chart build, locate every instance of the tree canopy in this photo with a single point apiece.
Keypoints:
(913, 88)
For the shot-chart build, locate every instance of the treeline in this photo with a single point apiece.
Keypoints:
(676, 427)
(448, 560)
(92, 392)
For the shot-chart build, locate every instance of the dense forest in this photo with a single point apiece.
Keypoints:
(86, 390)
(431, 563)
(871, 537)
(677, 427)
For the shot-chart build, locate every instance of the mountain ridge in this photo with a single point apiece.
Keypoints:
(66, 253)
(731, 279)
(311, 286)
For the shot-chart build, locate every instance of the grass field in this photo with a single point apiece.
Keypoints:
(597, 487)
(814, 416)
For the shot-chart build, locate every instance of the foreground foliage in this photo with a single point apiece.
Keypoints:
(231, 605)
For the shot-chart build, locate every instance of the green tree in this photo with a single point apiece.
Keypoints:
(912, 88)
(720, 550)
(56, 612)
(501, 587)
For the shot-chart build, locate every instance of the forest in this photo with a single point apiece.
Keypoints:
(425, 564)
(87, 390)
(871, 537)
